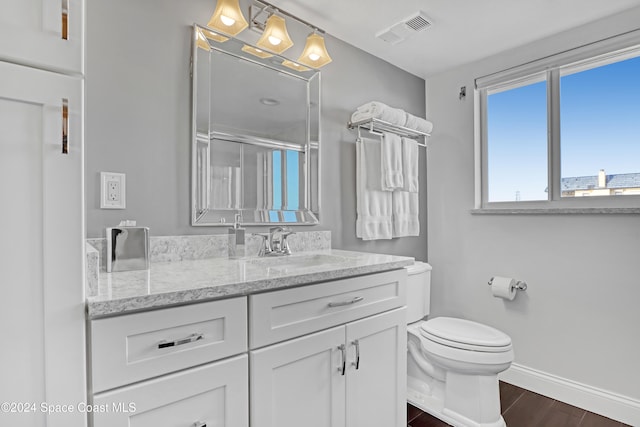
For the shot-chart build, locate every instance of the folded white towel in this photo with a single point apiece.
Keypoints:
(417, 123)
(373, 207)
(410, 164)
(406, 221)
(380, 111)
(391, 162)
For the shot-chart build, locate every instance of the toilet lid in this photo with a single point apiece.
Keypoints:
(465, 334)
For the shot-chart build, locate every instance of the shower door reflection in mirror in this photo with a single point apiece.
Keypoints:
(256, 137)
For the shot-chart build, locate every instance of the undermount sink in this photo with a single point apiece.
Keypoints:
(297, 261)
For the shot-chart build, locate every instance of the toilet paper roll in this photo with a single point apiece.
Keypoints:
(503, 287)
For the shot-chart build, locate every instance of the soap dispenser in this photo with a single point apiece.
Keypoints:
(236, 239)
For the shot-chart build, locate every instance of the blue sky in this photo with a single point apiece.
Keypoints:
(600, 116)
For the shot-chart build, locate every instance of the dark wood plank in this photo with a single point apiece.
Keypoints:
(426, 420)
(561, 414)
(594, 420)
(509, 393)
(412, 412)
(528, 411)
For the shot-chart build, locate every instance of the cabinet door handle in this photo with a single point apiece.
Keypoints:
(341, 303)
(357, 362)
(191, 338)
(343, 353)
(199, 424)
(65, 126)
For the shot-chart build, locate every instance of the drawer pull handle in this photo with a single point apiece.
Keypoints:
(342, 303)
(357, 362)
(343, 353)
(199, 424)
(191, 338)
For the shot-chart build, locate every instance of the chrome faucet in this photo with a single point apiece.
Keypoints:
(275, 243)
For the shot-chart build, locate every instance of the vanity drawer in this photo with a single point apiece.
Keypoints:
(216, 394)
(281, 315)
(134, 347)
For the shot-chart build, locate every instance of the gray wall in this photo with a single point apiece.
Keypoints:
(578, 320)
(138, 119)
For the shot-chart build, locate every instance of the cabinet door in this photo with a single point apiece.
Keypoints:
(214, 395)
(32, 32)
(299, 382)
(376, 384)
(42, 246)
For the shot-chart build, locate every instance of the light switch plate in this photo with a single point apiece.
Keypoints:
(113, 193)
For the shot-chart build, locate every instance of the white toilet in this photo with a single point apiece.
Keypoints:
(452, 364)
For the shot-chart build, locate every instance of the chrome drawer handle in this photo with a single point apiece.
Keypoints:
(342, 303)
(191, 338)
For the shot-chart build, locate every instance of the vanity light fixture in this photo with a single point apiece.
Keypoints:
(315, 53)
(256, 52)
(228, 18)
(275, 37)
(267, 18)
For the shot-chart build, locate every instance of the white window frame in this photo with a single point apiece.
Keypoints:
(551, 69)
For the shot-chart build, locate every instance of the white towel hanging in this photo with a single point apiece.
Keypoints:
(373, 206)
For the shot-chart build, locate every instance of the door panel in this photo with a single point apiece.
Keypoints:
(32, 33)
(376, 387)
(298, 382)
(42, 310)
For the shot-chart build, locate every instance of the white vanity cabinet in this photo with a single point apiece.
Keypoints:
(43, 34)
(330, 354)
(180, 366)
(351, 375)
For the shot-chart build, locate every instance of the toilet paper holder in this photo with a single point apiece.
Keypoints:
(519, 285)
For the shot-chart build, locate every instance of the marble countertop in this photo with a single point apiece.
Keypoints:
(189, 281)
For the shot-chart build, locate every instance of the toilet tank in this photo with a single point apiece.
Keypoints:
(418, 291)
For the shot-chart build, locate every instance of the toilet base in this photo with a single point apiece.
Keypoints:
(427, 399)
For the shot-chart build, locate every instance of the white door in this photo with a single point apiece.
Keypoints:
(376, 382)
(32, 32)
(42, 248)
(299, 382)
(213, 395)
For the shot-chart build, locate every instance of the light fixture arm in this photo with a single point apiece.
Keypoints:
(267, 5)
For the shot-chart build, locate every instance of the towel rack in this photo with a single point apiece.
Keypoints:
(377, 126)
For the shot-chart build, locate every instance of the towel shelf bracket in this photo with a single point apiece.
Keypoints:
(377, 126)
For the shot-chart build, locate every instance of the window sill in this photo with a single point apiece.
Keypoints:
(556, 211)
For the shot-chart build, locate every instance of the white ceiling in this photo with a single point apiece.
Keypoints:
(462, 30)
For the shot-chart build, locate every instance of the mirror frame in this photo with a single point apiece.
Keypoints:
(308, 214)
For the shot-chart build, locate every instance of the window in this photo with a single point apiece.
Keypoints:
(562, 132)
(517, 149)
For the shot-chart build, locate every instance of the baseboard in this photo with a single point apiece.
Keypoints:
(615, 406)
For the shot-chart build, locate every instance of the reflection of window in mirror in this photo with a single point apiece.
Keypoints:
(286, 183)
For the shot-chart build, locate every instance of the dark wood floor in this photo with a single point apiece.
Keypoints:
(523, 408)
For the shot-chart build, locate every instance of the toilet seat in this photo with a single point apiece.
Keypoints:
(465, 335)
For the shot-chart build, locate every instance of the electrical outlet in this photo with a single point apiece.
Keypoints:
(112, 190)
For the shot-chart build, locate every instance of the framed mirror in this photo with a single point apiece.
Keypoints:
(256, 133)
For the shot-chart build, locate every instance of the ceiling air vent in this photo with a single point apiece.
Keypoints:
(418, 23)
(405, 29)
